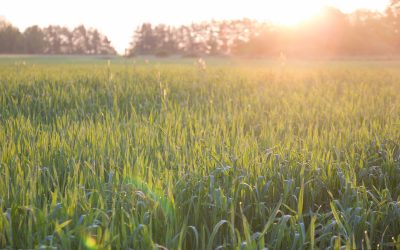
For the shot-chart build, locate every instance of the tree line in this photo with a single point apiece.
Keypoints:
(362, 33)
(53, 39)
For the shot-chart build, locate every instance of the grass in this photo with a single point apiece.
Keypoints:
(166, 155)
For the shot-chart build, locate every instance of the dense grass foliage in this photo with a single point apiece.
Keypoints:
(173, 156)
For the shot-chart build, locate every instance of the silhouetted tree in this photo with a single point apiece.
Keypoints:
(94, 41)
(53, 39)
(11, 39)
(52, 36)
(105, 47)
(67, 42)
(34, 40)
(145, 40)
(80, 40)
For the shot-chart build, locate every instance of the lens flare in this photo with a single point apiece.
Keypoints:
(90, 243)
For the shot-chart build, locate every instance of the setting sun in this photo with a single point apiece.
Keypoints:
(290, 13)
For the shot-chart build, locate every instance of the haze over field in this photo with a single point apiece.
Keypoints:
(119, 18)
(236, 125)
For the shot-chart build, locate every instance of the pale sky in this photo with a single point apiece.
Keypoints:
(119, 18)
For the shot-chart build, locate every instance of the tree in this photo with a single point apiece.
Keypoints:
(11, 39)
(34, 40)
(80, 40)
(52, 39)
(67, 43)
(105, 47)
(144, 40)
(95, 41)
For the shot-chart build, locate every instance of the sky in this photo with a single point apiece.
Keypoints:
(119, 18)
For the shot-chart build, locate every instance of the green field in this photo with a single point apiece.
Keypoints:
(156, 154)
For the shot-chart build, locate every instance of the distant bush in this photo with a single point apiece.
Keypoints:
(191, 54)
(162, 53)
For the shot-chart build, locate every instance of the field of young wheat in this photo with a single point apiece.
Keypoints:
(177, 156)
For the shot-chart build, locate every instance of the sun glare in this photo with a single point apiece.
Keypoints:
(121, 22)
(292, 13)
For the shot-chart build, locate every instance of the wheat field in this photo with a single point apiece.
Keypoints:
(169, 155)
